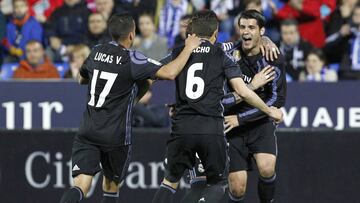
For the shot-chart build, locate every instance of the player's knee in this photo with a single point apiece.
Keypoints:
(237, 186)
(266, 170)
(110, 186)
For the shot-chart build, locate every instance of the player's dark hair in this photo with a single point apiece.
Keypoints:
(120, 25)
(203, 24)
(289, 22)
(253, 14)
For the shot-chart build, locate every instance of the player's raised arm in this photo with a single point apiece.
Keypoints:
(172, 69)
(253, 99)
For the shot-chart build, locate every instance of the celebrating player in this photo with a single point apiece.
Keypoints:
(198, 124)
(113, 73)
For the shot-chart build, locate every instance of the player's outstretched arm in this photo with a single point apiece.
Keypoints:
(260, 79)
(172, 69)
(253, 99)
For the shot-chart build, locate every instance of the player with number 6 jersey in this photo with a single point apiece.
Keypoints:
(198, 121)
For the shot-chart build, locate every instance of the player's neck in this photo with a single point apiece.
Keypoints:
(125, 43)
(252, 52)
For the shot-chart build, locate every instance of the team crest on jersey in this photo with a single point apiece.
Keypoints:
(236, 55)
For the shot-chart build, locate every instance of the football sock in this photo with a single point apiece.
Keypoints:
(164, 194)
(72, 195)
(233, 199)
(110, 197)
(266, 189)
(212, 193)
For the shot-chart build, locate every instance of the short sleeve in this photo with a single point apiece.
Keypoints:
(84, 69)
(167, 59)
(231, 68)
(143, 67)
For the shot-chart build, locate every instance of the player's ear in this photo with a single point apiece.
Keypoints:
(262, 31)
(131, 36)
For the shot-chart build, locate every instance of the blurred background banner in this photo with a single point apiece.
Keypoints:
(314, 166)
(47, 105)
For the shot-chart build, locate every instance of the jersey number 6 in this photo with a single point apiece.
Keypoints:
(192, 80)
(110, 79)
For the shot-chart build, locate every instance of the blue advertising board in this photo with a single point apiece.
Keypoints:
(59, 104)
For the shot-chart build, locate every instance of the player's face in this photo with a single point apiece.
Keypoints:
(289, 34)
(250, 33)
(146, 26)
(34, 53)
(20, 9)
(314, 64)
(97, 24)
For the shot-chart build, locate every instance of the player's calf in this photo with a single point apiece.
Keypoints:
(267, 177)
(72, 195)
(110, 191)
(165, 192)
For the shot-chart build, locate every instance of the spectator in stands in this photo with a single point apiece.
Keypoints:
(180, 38)
(77, 58)
(339, 22)
(293, 48)
(345, 44)
(21, 29)
(42, 9)
(97, 30)
(36, 65)
(307, 13)
(67, 26)
(169, 19)
(105, 7)
(151, 44)
(150, 115)
(316, 70)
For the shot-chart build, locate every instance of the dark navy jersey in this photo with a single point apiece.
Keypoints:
(113, 73)
(273, 93)
(200, 88)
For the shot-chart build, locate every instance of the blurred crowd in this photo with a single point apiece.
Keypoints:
(319, 39)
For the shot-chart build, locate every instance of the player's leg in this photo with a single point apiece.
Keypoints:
(267, 176)
(213, 152)
(265, 152)
(237, 186)
(85, 159)
(240, 162)
(115, 163)
(179, 156)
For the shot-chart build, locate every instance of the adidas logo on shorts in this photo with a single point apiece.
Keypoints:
(76, 168)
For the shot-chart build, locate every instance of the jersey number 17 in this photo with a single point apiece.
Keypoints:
(110, 79)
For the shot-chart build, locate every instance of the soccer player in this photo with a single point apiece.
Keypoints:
(113, 73)
(198, 123)
(251, 133)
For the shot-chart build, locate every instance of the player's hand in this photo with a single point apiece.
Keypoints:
(264, 76)
(276, 114)
(269, 49)
(192, 42)
(231, 122)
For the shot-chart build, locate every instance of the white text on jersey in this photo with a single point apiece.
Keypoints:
(103, 57)
(202, 50)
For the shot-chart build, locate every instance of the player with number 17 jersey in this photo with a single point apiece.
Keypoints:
(107, 119)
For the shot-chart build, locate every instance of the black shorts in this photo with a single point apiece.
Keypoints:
(86, 159)
(181, 155)
(247, 141)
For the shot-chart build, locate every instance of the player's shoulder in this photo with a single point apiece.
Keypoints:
(279, 62)
(229, 46)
